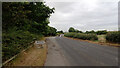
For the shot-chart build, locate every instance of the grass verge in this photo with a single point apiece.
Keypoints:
(98, 42)
(31, 57)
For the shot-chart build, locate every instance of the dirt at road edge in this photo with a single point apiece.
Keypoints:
(32, 57)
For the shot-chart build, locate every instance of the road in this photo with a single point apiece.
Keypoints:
(68, 52)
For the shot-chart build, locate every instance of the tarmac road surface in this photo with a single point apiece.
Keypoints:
(68, 52)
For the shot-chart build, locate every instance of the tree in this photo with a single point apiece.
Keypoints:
(71, 29)
(52, 31)
(87, 32)
(60, 32)
(92, 31)
(21, 23)
(26, 16)
(39, 14)
(77, 31)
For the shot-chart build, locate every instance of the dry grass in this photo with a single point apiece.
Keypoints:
(101, 38)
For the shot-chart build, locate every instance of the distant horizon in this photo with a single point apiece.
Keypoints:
(90, 30)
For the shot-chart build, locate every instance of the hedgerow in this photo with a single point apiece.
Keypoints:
(113, 37)
(82, 36)
(69, 34)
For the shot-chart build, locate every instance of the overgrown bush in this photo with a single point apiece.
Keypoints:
(14, 42)
(69, 34)
(113, 37)
(97, 32)
(82, 36)
(101, 32)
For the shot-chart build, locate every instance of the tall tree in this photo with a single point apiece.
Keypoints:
(71, 29)
(21, 23)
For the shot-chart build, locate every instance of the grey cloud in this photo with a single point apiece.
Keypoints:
(85, 16)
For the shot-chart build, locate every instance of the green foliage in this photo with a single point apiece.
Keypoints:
(113, 37)
(51, 31)
(92, 31)
(101, 32)
(14, 42)
(77, 31)
(23, 22)
(60, 32)
(97, 32)
(69, 34)
(71, 29)
(82, 36)
(26, 16)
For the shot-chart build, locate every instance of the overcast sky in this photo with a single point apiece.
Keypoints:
(84, 14)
